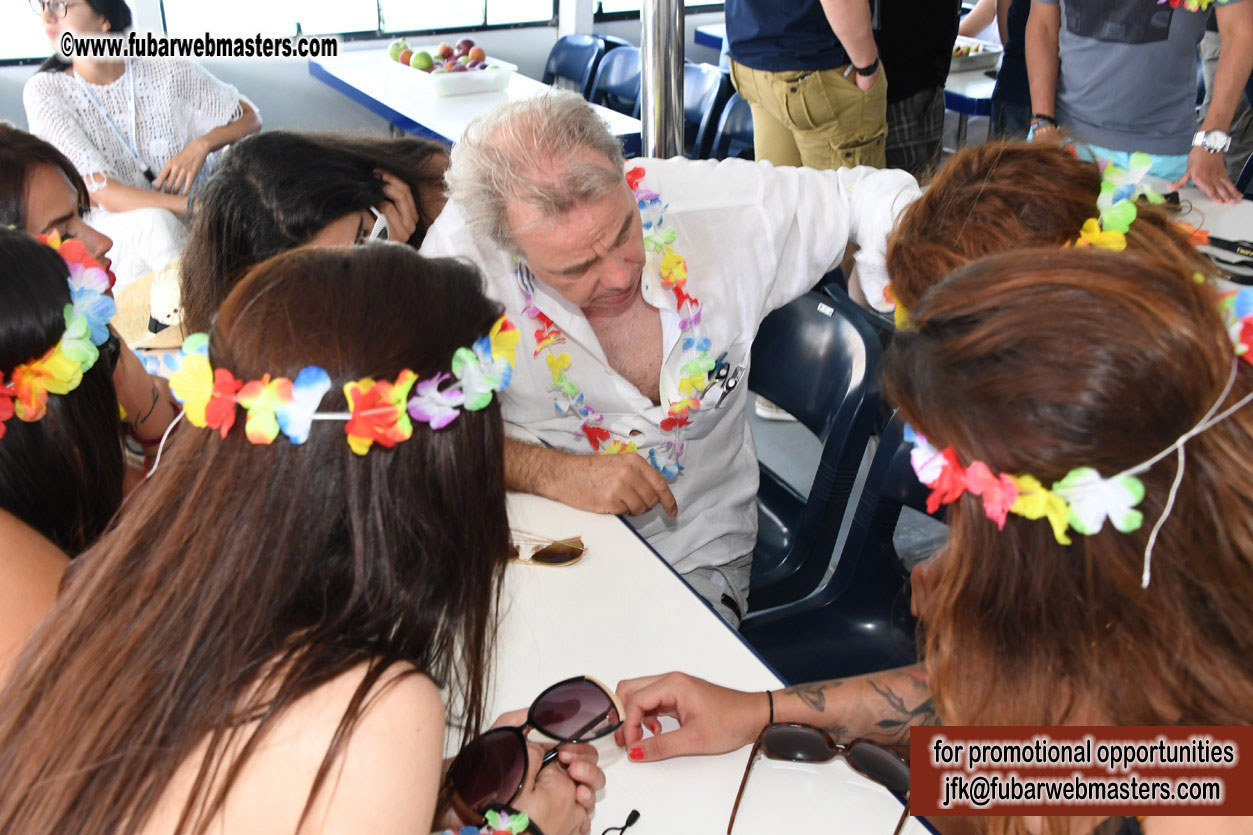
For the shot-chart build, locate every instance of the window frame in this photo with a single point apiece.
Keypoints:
(608, 17)
(380, 34)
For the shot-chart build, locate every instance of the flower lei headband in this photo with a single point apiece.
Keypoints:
(1191, 5)
(1116, 211)
(1082, 500)
(60, 370)
(378, 410)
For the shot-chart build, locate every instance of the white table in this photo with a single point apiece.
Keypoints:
(385, 87)
(1233, 222)
(969, 94)
(619, 613)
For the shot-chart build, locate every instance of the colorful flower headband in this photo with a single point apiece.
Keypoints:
(378, 410)
(1082, 500)
(1191, 5)
(61, 368)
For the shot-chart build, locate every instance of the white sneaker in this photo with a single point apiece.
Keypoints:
(768, 411)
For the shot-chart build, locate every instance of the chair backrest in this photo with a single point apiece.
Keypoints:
(612, 42)
(705, 91)
(574, 57)
(735, 128)
(617, 83)
(816, 358)
(859, 621)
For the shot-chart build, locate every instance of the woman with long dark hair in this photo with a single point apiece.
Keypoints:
(282, 189)
(254, 646)
(60, 455)
(1087, 603)
(144, 134)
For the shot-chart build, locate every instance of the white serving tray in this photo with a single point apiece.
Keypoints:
(459, 83)
(989, 55)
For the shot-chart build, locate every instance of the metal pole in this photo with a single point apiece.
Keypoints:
(661, 83)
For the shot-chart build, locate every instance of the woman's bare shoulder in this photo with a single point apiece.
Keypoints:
(385, 777)
(30, 576)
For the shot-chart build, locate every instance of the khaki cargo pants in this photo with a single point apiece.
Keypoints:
(817, 119)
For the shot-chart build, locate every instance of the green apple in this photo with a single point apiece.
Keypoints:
(422, 61)
(464, 59)
(396, 48)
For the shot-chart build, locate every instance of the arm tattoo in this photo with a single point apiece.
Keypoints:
(814, 695)
(153, 405)
(899, 716)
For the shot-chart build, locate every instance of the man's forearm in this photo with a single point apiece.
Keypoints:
(850, 21)
(1042, 60)
(1235, 62)
(880, 706)
(530, 468)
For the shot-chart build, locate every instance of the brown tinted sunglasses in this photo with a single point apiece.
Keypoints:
(539, 550)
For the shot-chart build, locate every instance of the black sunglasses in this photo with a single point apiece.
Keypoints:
(794, 742)
(491, 770)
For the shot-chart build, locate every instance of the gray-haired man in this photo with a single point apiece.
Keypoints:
(638, 290)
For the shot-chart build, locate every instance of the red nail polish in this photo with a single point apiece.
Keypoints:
(635, 754)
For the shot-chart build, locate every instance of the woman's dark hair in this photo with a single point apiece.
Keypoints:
(243, 577)
(1042, 361)
(115, 11)
(61, 474)
(20, 154)
(277, 190)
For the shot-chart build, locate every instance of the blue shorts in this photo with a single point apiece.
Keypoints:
(1167, 166)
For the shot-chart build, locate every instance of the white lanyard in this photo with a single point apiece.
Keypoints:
(132, 143)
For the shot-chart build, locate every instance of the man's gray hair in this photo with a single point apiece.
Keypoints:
(522, 152)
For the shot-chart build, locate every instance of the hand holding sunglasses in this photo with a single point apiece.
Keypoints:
(494, 769)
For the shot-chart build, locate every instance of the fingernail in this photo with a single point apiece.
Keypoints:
(635, 754)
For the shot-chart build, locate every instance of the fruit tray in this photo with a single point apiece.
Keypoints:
(974, 54)
(432, 70)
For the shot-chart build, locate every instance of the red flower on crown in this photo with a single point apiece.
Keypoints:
(950, 484)
(219, 413)
(6, 406)
(633, 177)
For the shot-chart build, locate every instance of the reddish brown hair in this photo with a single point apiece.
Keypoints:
(1002, 196)
(1043, 361)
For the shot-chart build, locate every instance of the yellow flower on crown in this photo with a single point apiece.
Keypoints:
(1092, 235)
(1035, 502)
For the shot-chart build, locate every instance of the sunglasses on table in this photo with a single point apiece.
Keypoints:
(793, 742)
(539, 550)
(491, 769)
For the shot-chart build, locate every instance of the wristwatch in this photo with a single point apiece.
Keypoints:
(1214, 141)
(868, 70)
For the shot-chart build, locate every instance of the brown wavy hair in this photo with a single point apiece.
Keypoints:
(1003, 196)
(1042, 361)
(243, 577)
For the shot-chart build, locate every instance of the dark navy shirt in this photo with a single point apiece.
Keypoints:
(915, 40)
(780, 35)
(1011, 79)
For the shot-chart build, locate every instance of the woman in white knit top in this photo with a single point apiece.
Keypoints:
(142, 133)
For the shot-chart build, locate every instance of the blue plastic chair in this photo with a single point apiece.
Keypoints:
(705, 92)
(817, 359)
(859, 621)
(734, 137)
(617, 84)
(574, 57)
(612, 42)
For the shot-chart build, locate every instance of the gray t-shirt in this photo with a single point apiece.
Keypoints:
(1128, 73)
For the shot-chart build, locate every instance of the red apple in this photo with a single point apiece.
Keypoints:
(464, 46)
(404, 56)
(444, 51)
(458, 68)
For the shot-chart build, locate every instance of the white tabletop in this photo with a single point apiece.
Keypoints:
(973, 84)
(373, 76)
(1233, 222)
(620, 613)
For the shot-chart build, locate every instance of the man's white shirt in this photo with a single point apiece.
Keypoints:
(755, 237)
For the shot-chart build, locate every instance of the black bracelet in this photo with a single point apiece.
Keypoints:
(770, 696)
(870, 69)
(1040, 117)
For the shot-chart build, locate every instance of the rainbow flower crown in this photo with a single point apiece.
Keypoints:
(1083, 500)
(378, 410)
(60, 370)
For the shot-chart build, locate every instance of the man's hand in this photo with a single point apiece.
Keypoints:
(865, 82)
(1046, 134)
(180, 172)
(712, 719)
(1209, 173)
(621, 484)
